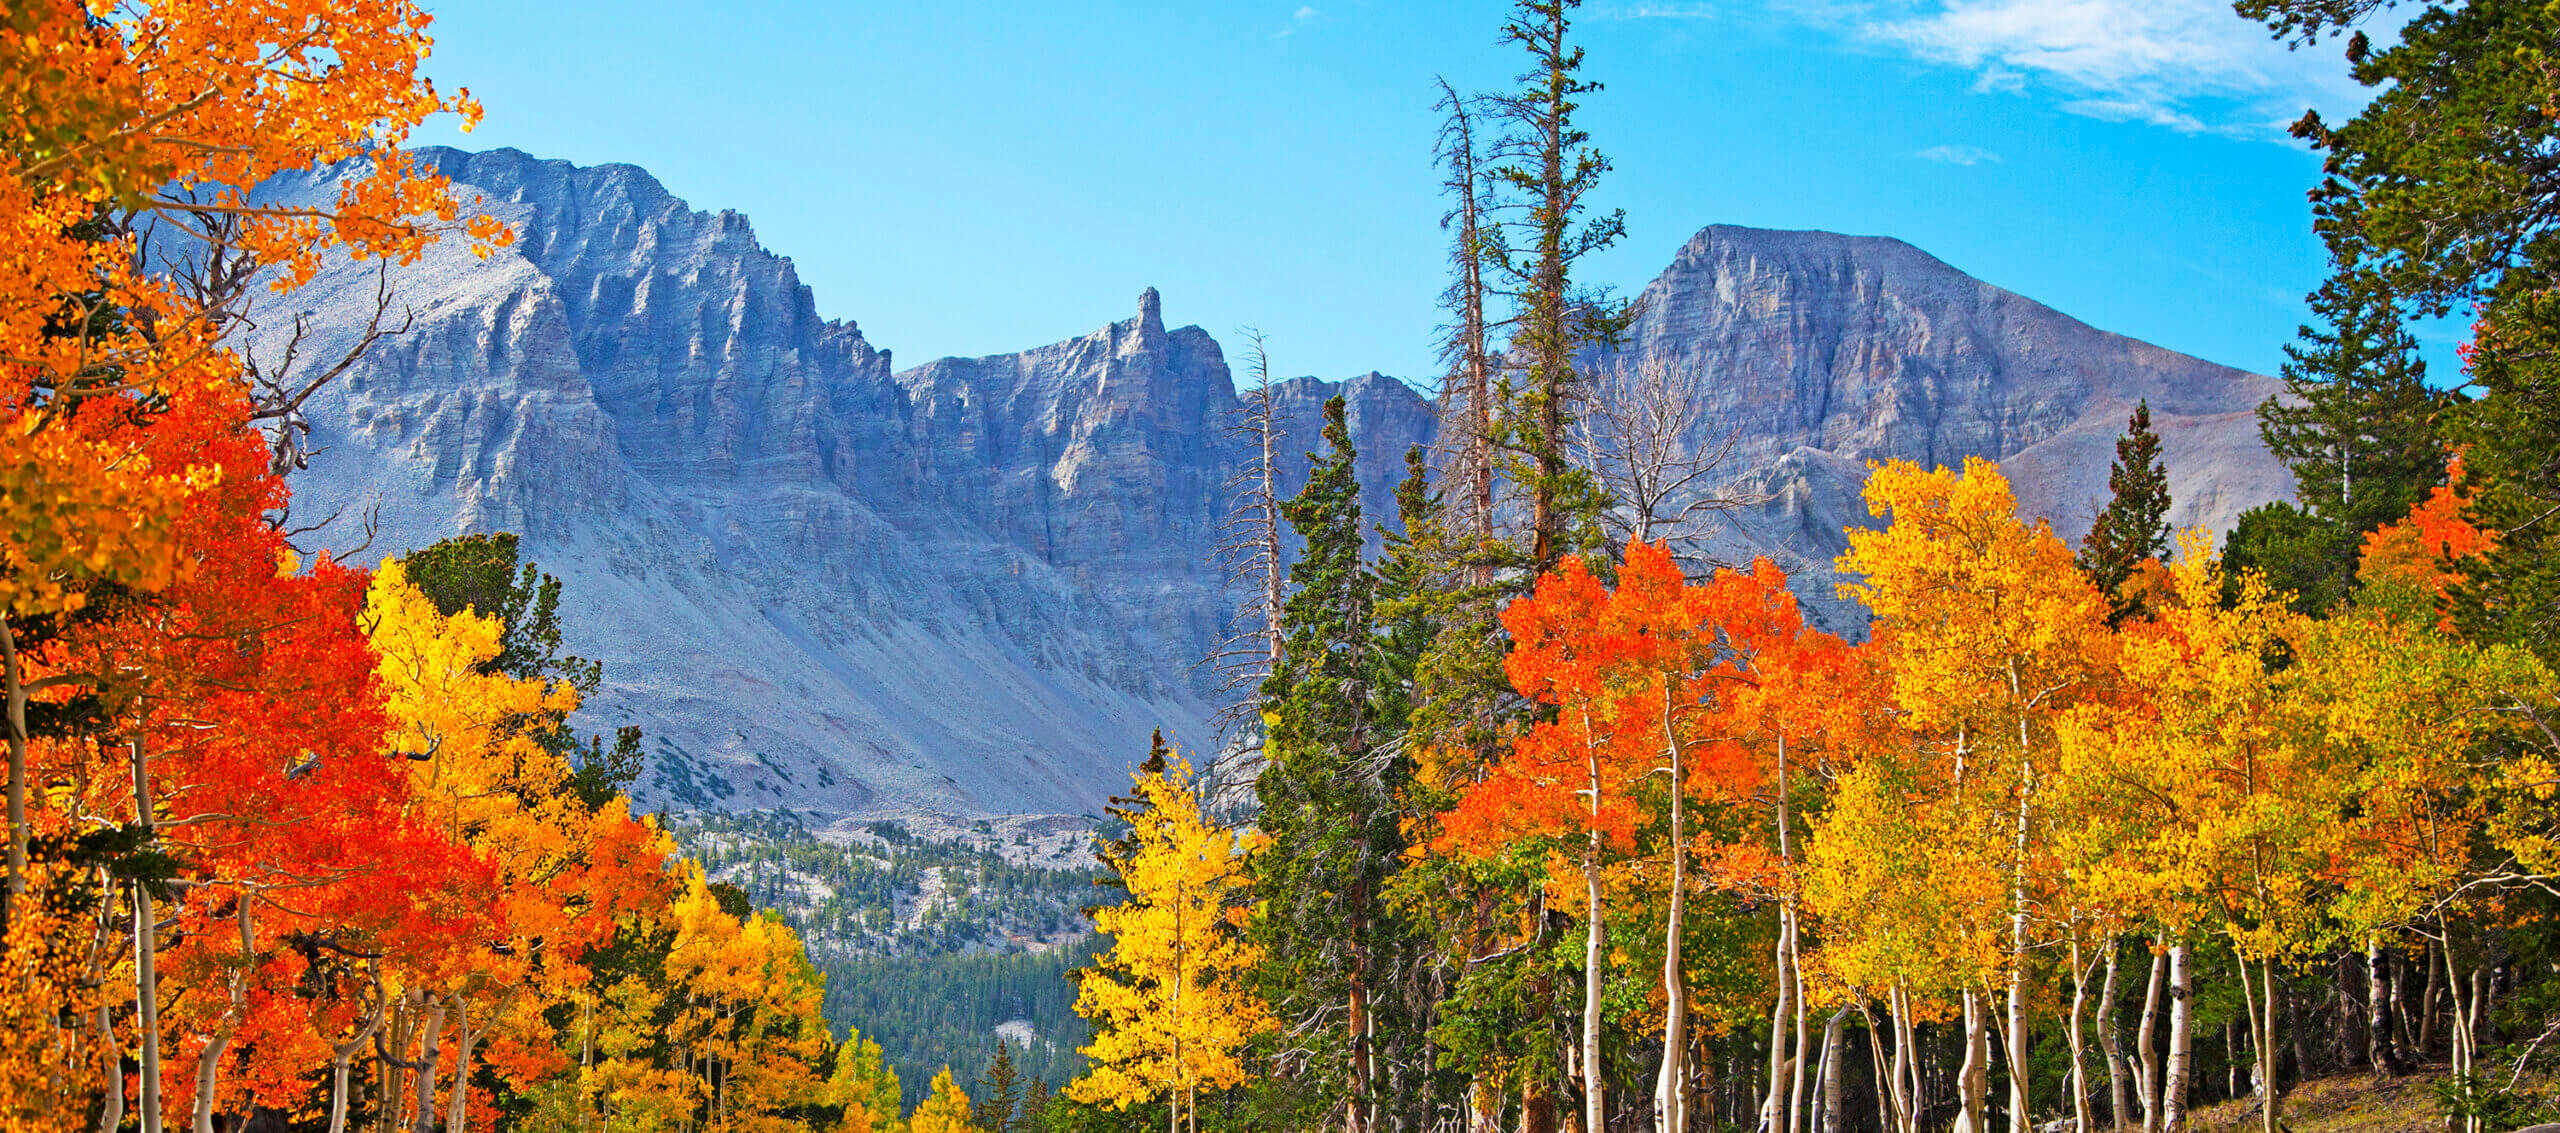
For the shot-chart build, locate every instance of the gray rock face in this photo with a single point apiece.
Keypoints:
(1819, 353)
(974, 586)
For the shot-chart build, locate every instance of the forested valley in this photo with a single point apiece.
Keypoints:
(1531, 817)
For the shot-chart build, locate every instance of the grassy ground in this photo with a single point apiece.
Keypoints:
(2348, 1103)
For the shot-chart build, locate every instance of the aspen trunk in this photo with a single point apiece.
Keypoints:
(430, 1040)
(2017, 1032)
(1595, 951)
(209, 1060)
(1772, 1118)
(2079, 1041)
(1888, 1120)
(464, 1039)
(1906, 1064)
(1804, 1047)
(2111, 1044)
(2427, 1004)
(1595, 946)
(2458, 1031)
(1670, 1088)
(146, 959)
(111, 1108)
(2182, 1039)
(2379, 1047)
(338, 1091)
(1973, 1079)
(2260, 1004)
(2146, 1042)
(1827, 1109)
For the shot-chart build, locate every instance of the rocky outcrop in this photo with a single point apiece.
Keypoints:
(975, 585)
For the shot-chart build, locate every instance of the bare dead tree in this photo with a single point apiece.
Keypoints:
(279, 389)
(221, 276)
(1249, 549)
(1467, 396)
(1635, 437)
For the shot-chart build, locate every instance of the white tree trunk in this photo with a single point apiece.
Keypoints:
(1671, 1086)
(1973, 1079)
(1595, 945)
(2182, 1039)
(2147, 1039)
(428, 1054)
(146, 960)
(2111, 1043)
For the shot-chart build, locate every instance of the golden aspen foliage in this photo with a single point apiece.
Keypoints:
(865, 1086)
(1170, 1004)
(2233, 789)
(945, 1110)
(1987, 631)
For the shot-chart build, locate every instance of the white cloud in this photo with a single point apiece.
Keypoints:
(2189, 65)
(1299, 20)
(1958, 155)
(1650, 12)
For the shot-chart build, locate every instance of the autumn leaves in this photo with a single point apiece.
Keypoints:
(285, 837)
(1758, 833)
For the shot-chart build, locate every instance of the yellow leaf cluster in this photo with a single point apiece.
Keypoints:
(1169, 1005)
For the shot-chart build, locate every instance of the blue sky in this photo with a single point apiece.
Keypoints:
(977, 177)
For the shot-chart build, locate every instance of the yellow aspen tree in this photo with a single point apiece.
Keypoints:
(865, 1086)
(945, 1110)
(1170, 1004)
(749, 1016)
(2237, 791)
(1989, 632)
(2450, 747)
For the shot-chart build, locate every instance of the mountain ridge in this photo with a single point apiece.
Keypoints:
(974, 585)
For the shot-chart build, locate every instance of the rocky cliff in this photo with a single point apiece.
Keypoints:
(972, 587)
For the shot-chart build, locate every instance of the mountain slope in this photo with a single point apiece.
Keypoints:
(973, 587)
(1817, 353)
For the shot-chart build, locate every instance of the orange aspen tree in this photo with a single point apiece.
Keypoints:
(1989, 633)
(158, 119)
(1795, 705)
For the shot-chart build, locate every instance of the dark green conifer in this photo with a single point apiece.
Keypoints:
(1327, 812)
(2135, 524)
(2360, 430)
(999, 1092)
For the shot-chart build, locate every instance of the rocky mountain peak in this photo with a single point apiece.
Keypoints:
(974, 586)
(1150, 311)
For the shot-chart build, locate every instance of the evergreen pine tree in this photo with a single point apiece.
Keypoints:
(2511, 451)
(1550, 166)
(2135, 524)
(1034, 1117)
(1407, 621)
(993, 1111)
(1319, 879)
(2360, 436)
